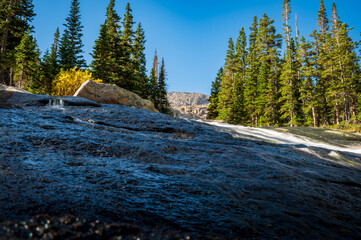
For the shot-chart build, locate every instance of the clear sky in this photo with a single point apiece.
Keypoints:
(191, 35)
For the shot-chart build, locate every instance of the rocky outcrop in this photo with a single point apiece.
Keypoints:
(114, 163)
(192, 112)
(12, 89)
(180, 99)
(189, 105)
(112, 94)
(12, 97)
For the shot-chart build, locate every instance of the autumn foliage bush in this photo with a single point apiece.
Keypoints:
(67, 82)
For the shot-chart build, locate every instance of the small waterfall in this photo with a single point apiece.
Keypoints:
(56, 103)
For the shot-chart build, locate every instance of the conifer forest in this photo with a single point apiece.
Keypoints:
(273, 79)
(118, 53)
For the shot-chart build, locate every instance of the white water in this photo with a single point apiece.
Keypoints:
(285, 138)
(56, 103)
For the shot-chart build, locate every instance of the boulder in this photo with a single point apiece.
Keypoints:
(112, 94)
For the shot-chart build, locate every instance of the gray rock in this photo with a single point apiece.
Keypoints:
(189, 105)
(22, 99)
(112, 94)
(12, 89)
(77, 101)
(117, 163)
(192, 112)
(180, 99)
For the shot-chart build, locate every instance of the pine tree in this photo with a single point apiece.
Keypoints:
(286, 18)
(321, 46)
(290, 87)
(344, 62)
(225, 95)
(126, 48)
(290, 82)
(268, 42)
(307, 91)
(106, 51)
(250, 85)
(15, 19)
(50, 64)
(153, 82)
(213, 109)
(163, 104)
(27, 63)
(70, 51)
(237, 108)
(139, 63)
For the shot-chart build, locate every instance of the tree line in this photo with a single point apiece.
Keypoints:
(118, 53)
(316, 82)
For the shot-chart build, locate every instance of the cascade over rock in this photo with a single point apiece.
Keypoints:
(114, 163)
(112, 94)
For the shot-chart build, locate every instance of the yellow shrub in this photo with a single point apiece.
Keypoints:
(67, 82)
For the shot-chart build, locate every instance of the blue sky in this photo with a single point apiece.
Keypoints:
(191, 35)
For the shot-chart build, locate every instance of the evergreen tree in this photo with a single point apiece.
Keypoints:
(307, 91)
(290, 82)
(50, 64)
(15, 19)
(343, 88)
(237, 109)
(213, 109)
(27, 63)
(225, 95)
(106, 52)
(321, 46)
(286, 18)
(71, 45)
(250, 84)
(139, 63)
(126, 49)
(163, 104)
(268, 42)
(290, 89)
(153, 82)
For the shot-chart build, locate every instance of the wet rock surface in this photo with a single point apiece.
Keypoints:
(116, 164)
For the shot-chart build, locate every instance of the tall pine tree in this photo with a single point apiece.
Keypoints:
(50, 64)
(290, 82)
(70, 51)
(163, 104)
(268, 42)
(27, 63)
(106, 51)
(252, 69)
(15, 19)
(139, 63)
(225, 96)
(153, 82)
(237, 108)
(321, 45)
(307, 90)
(213, 110)
(126, 48)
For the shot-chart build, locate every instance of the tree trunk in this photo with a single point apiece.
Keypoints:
(337, 113)
(314, 116)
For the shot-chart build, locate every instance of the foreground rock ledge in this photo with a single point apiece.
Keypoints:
(118, 164)
(112, 94)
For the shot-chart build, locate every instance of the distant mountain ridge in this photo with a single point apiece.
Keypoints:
(189, 105)
(180, 99)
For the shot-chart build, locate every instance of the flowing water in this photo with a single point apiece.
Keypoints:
(119, 164)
